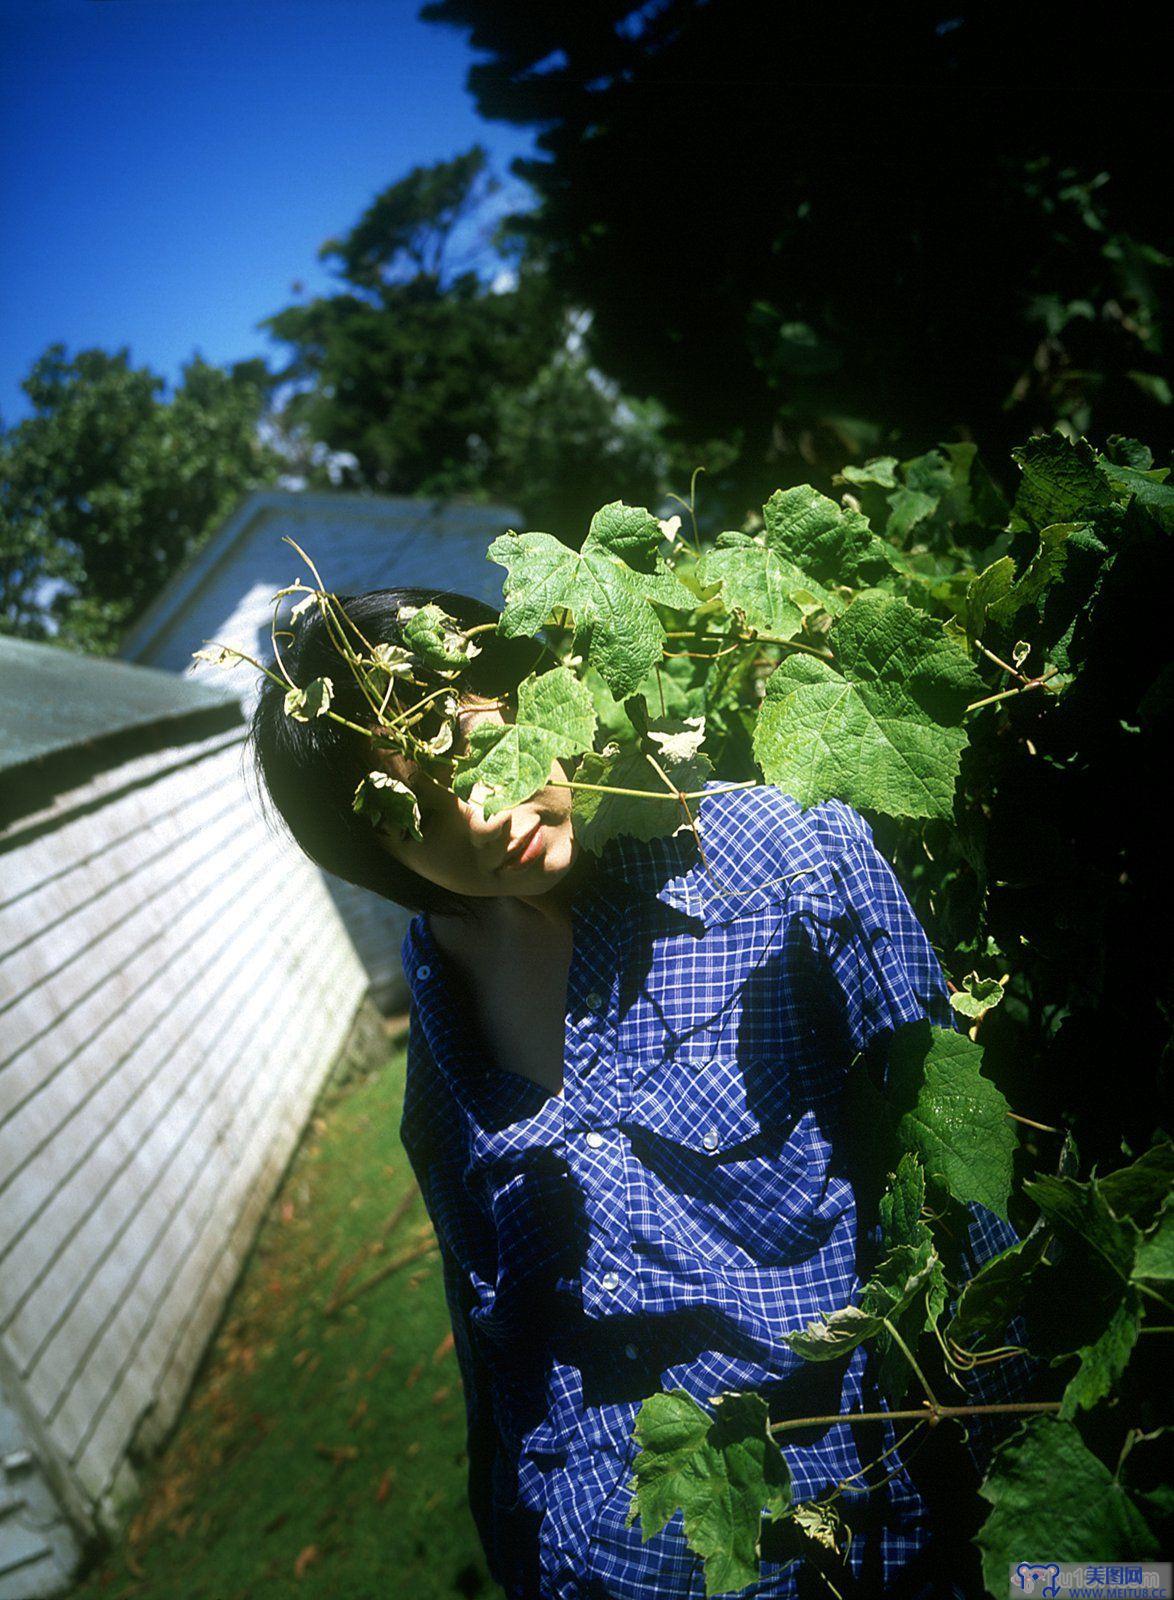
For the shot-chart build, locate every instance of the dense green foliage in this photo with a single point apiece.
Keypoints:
(110, 486)
(439, 382)
(990, 684)
(806, 228)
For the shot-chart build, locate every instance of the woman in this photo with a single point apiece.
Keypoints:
(623, 1094)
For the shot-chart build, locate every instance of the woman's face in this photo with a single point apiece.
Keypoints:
(524, 851)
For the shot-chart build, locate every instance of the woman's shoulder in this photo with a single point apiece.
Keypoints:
(773, 826)
(758, 845)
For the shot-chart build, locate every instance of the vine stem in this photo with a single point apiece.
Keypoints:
(912, 1360)
(654, 794)
(747, 638)
(281, 684)
(1007, 694)
(932, 1414)
(1042, 1126)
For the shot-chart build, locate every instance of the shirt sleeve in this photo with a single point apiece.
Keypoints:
(481, 1429)
(884, 974)
(481, 1432)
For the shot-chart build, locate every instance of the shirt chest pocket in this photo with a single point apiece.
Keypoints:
(737, 1181)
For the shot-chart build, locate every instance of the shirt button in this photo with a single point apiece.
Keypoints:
(594, 1139)
(423, 972)
(610, 1280)
(631, 1352)
(710, 1140)
(595, 999)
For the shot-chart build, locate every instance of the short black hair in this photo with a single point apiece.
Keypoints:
(309, 770)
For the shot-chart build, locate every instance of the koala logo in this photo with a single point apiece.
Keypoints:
(1027, 1573)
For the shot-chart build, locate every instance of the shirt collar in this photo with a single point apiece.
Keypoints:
(758, 845)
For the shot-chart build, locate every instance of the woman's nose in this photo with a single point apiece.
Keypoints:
(488, 832)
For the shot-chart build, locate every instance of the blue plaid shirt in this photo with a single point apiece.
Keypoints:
(677, 1209)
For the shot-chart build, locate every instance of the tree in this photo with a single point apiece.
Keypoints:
(110, 486)
(839, 227)
(403, 367)
(438, 379)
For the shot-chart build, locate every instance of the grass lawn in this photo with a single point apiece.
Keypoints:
(320, 1454)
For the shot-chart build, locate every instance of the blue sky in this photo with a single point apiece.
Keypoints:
(168, 168)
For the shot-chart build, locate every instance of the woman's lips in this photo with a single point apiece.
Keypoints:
(527, 849)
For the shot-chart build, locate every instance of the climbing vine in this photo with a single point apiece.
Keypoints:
(988, 678)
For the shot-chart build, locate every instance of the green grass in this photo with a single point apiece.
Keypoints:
(318, 1455)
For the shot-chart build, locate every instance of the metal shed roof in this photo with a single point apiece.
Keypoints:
(53, 699)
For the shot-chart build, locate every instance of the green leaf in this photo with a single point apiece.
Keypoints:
(1085, 1224)
(1060, 482)
(389, 803)
(1083, 1303)
(1102, 1362)
(1052, 1500)
(722, 1472)
(809, 545)
(900, 1206)
(882, 732)
(879, 470)
(897, 1281)
(1156, 496)
(1138, 1190)
(606, 586)
(1155, 1253)
(953, 1117)
(600, 817)
(908, 508)
(1043, 569)
(1146, 1469)
(555, 717)
(435, 638)
(996, 1293)
(902, 1224)
(312, 701)
(977, 996)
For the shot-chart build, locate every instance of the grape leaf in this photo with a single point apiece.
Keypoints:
(1137, 1191)
(882, 732)
(977, 996)
(996, 1293)
(600, 817)
(1155, 1253)
(555, 717)
(435, 638)
(898, 1279)
(671, 684)
(900, 1206)
(953, 1117)
(1060, 482)
(908, 507)
(1044, 568)
(808, 546)
(879, 471)
(722, 1471)
(1148, 491)
(312, 701)
(1103, 1361)
(1146, 1468)
(1052, 1500)
(606, 586)
(1084, 1223)
(902, 1224)
(1082, 1303)
(984, 591)
(388, 803)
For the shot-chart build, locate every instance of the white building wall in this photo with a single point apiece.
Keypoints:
(174, 984)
